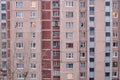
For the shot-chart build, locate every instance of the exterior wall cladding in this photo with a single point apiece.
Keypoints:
(60, 40)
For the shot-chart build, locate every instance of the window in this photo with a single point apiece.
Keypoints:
(56, 43)
(82, 4)
(4, 45)
(82, 34)
(33, 55)
(115, 34)
(91, 69)
(4, 55)
(69, 24)
(82, 24)
(107, 74)
(3, 16)
(115, 54)
(32, 14)
(115, 64)
(3, 26)
(91, 9)
(33, 4)
(56, 23)
(107, 3)
(3, 35)
(107, 44)
(3, 6)
(82, 64)
(19, 34)
(56, 53)
(82, 55)
(20, 65)
(55, 13)
(56, 73)
(19, 55)
(69, 3)
(69, 34)
(56, 33)
(69, 55)
(19, 24)
(107, 24)
(33, 34)
(82, 14)
(107, 13)
(114, 73)
(115, 24)
(92, 30)
(91, 78)
(91, 59)
(82, 74)
(33, 45)
(69, 65)
(4, 73)
(115, 14)
(91, 2)
(115, 5)
(20, 76)
(19, 45)
(92, 40)
(82, 44)
(107, 54)
(115, 44)
(91, 18)
(69, 14)
(33, 65)
(92, 50)
(4, 64)
(55, 4)
(19, 4)
(69, 45)
(19, 14)
(32, 24)
(56, 63)
(107, 34)
(107, 64)
(33, 76)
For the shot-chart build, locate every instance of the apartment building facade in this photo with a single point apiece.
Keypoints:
(59, 40)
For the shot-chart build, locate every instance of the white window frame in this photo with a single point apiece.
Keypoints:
(19, 14)
(69, 55)
(19, 4)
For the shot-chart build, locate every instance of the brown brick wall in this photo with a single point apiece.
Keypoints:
(46, 74)
(46, 34)
(46, 64)
(46, 15)
(46, 54)
(46, 24)
(46, 44)
(46, 5)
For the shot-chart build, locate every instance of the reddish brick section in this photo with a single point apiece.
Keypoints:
(8, 24)
(8, 16)
(46, 54)
(46, 74)
(46, 4)
(46, 15)
(9, 75)
(46, 25)
(46, 64)
(46, 34)
(46, 45)
(46, 39)
(8, 44)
